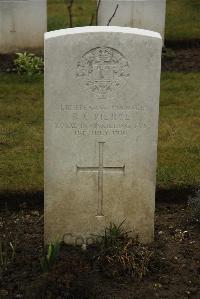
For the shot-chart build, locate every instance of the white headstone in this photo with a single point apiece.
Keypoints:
(101, 120)
(145, 14)
(22, 24)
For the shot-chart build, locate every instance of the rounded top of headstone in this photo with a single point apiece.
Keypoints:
(102, 29)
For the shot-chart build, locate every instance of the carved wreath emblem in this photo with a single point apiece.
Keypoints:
(103, 71)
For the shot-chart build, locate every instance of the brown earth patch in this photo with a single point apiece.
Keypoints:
(174, 271)
(176, 58)
(181, 59)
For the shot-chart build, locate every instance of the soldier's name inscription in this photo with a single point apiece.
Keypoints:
(108, 119)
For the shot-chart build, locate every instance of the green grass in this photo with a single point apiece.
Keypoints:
(179, 134)
(58, 14)
(21, 126)
(183, 20)
(21, 106)
(182, 17)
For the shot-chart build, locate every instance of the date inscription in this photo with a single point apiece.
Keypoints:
(102, 120)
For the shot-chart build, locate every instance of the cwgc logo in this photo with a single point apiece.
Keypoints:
(103, 71)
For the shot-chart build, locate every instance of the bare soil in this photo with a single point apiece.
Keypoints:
(173, 273)
(175, 58)
(181, 59)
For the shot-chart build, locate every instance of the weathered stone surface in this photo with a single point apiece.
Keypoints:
(101, 121)
(22, 24)
(145, 14)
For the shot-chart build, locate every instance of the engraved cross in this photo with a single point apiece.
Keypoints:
(100, 169)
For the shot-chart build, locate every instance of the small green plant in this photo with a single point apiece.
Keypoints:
(7, 254)
(121, 255)
(28, 64)
(48, 261)
(114, 236)
(194, 207)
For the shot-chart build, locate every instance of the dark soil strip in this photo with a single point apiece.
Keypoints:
(175, 195)
(181, 59)
(177, 57)
(15, 201)
(6, 62)
(182, 44)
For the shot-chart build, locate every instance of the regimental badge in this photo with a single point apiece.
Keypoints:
(103, 71)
